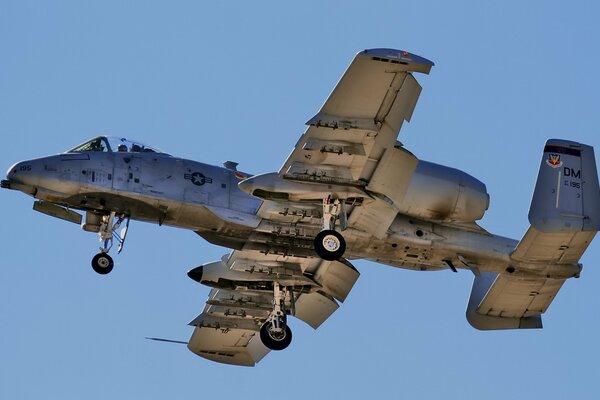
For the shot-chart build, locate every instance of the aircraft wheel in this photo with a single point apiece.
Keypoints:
(330, 245)
(102, 263)
(273, 340)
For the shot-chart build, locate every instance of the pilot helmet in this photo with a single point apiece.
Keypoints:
(122, 147)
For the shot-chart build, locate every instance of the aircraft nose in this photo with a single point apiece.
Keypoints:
(23, 175)
(10, 176)
(18, 171)
(12, 170)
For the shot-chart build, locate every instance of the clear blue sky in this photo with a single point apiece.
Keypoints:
(216, 81)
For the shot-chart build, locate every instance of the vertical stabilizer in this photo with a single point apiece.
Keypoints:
(565, 209)
(566, 196)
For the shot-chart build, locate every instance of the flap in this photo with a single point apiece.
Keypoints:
(393, 174)
(337, 278)
(314, 308)
(374, 216)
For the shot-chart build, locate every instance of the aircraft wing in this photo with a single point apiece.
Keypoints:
(227, 331)
(360, 119)
(352, 139)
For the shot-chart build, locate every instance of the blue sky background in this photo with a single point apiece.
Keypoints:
(216, 81)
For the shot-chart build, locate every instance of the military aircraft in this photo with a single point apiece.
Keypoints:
(348, 190)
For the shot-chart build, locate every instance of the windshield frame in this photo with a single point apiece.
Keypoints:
(113, 144)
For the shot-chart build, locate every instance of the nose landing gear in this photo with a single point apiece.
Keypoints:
(102, 263)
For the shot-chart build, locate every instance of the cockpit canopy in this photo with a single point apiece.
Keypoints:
(110, 144)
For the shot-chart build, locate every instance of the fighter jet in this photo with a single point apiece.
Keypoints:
(348, 190)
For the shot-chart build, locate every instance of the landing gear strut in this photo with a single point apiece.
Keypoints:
(329, 243)
(102, 263)
(275, 334)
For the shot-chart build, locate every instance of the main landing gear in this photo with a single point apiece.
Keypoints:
(108, 226)
(275, 333)
(102, 263)
(329, 243)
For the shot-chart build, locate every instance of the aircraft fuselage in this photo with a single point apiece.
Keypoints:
(158, 188)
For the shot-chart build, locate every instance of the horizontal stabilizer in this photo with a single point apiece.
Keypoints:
(552, 247)
(501, 301)
(564, 217)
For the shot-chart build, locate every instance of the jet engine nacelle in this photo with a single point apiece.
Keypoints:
(437, 192)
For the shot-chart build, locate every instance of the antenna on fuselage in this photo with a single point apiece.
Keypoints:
(232, 165)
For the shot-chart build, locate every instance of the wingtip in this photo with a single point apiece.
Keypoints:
(398, 56)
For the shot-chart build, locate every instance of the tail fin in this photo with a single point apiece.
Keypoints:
(564, 217)
(566, 196)
(565, 209)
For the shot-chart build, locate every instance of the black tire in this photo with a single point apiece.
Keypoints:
(330, 245)
(102, 263)
(275, 343)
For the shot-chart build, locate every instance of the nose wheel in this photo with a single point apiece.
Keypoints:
(102, 263)
(107, 230)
